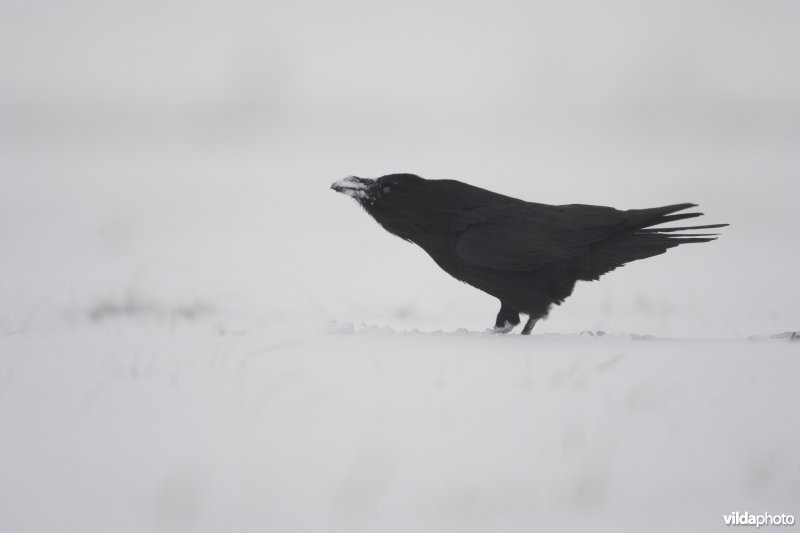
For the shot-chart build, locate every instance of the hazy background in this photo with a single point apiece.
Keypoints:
(175, 157)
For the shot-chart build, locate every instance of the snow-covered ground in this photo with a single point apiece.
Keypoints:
(132, 425)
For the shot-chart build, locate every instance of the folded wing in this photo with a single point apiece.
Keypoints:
(587, 240)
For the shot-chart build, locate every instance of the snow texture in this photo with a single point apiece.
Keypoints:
(151, 427)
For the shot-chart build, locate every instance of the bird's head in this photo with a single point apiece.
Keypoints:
(401, 203)
(386, 191)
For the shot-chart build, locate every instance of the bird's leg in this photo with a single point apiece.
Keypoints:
(507, 319)
(526, 330)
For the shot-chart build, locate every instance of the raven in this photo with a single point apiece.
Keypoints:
(527, 255)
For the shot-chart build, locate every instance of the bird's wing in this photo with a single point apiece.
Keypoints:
(587, 240)
(526, 238)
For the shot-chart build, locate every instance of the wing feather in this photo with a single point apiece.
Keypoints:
(587, 240)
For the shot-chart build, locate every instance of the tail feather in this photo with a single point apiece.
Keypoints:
(707, 226)
(641, 240)
(667, 236)
(687, 240)
(673, 218)
(644, 219)
(678, 235)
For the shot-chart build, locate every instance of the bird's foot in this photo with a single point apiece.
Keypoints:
(508, 326)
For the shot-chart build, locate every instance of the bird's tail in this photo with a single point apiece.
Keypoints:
(643, 221)
(641, 237)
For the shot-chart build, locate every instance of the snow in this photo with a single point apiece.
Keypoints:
(137, 425)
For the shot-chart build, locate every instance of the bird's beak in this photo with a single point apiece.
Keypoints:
(353, 187)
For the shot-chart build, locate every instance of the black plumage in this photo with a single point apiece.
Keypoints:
(526, 254)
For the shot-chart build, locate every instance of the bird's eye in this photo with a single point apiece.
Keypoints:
(387, 189)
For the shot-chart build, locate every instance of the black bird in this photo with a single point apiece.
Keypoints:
(527, 255)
